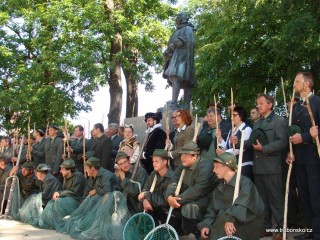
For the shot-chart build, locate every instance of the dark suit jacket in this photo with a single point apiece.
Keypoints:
(101, 148)
(53, 153)
(37, 152)
(115, 145)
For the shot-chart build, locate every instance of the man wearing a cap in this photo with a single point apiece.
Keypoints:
(7, 149)
(243, 218)
(124, 171)
(65, 201)
(268, 160)
(156, 138)
(155, 202)
(100, 180)
(37, 149)
(306, 158)
(4, 173)
(53, 150)
(76, 147)
(198, 182)
(101, 147)
(47, 183)
(27, 179)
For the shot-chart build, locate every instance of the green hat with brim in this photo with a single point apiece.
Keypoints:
(121, 155)
(92, 162)
(161, 153)
(43, 168)
(293, 129)
(28, 165)
(258, 134)
(228, 160)
(189, 148)
(68, 164)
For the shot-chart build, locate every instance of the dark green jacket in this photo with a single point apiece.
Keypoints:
(198, 182)
(37, 152)
(73, 186)
(246, 212)
(157, 198)
(132, 189)
(27, 185)
(4, 173)
(49, 186)
(180, 139)
(270, 160)
(104, 182)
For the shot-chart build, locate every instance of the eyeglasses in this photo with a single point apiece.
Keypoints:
(178, 115)
(173, 117)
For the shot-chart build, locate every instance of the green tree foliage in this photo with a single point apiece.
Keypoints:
(249, 45)
(55, 54)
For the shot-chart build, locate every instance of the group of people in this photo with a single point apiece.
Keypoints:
(78, 195)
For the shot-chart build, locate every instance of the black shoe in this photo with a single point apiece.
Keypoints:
(304, 236)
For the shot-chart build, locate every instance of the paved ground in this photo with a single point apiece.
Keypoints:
(13, 230)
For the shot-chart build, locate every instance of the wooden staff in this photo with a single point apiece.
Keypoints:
(284, 236)
(167, 131)
(284, 97)
(237, 186)
(232, 121)
(29, 142)
(275, 99)
(216, 115)
(84, 153)
(196, 129)
(265, 90)
(46, 135)
(66, 137)
(313, 123)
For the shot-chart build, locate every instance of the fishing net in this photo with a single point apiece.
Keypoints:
(229, 237)
(109, 220)
(163, 232)
(55, 211)
(138, 226)
(31, 210)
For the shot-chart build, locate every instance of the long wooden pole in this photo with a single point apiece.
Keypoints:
(284, 97)
(237, 186)
(216, 115)
(284, 234)
(232, 122)
(313, 123)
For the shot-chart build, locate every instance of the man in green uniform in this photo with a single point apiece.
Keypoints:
(243, 218)
(64, 202)
(198, 182)
(132, 187)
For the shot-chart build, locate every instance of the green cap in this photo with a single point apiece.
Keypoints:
(43, 168)
(161, 153)
(228, 160)
(121, 155)
(92, 162)
(258, 134)
(28, 165)
(293, 129)
(68, 163)
(189, 148)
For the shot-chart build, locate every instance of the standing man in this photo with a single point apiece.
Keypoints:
(112, 132)
(306, 158)
(53, 150)
(102, 146)
(156, 139)
(76, 148)
(37, 149)
(179, 67)
(254, 114)
(7, 149)
(5, 169)
(268, 160)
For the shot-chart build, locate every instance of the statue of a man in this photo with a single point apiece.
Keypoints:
(179, 67)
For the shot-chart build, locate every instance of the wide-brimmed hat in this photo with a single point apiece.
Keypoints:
(156, 116)
(28, 165)
(92, 162)
(121, 155)
(161, 153)
(43, 168)
(189, 148)
(258, 134)
(227, 159)
(68, 163)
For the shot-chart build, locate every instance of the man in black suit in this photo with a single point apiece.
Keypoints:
(112, 132)
(306, 158)
(102, 146)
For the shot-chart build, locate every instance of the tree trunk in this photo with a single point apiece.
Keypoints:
(132, 94)
(114, 80)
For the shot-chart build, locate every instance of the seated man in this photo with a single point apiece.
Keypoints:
(155, 202)
(4, 174)
(243, 218)
(198, 182)
(124, 171)
(64, 202)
